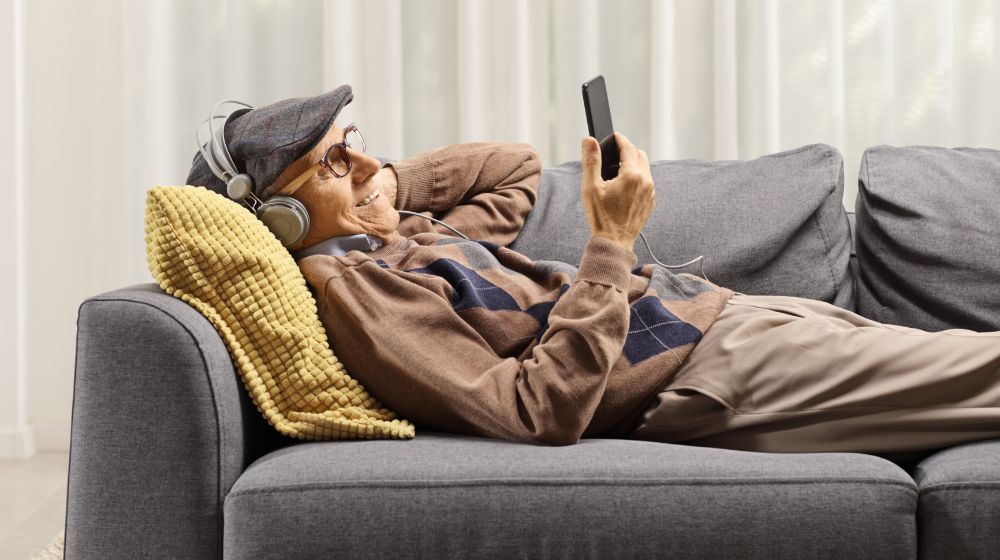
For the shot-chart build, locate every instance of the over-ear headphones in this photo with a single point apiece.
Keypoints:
(286, 217)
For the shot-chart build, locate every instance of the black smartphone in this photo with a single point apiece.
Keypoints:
(595, 102)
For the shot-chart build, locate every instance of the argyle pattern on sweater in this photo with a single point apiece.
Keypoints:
(653, 329)
(503, 304)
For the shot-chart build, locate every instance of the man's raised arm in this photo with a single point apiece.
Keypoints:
(484, 190)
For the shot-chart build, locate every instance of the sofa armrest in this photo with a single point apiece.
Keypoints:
(161, 429)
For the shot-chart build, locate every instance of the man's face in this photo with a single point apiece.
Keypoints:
(333, 202)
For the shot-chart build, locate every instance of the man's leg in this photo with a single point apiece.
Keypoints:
(785, 374)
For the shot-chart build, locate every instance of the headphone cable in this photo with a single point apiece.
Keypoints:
(700, 259)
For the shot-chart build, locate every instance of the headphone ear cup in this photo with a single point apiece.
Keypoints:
(287, 218)
(239, 187)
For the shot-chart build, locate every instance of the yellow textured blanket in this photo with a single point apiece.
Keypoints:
(216, 256)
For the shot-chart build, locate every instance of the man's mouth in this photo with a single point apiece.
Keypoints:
(368, 199)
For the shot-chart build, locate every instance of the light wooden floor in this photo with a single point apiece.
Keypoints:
(32, 503)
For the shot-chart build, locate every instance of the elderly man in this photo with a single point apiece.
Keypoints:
(468, 336)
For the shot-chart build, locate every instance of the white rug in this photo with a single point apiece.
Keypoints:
(52, 552)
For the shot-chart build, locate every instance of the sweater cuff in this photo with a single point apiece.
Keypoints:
(606, 262)
(414, 184)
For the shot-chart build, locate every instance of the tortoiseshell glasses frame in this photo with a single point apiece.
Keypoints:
(337, 160)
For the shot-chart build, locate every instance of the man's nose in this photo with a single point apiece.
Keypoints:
(364, 165)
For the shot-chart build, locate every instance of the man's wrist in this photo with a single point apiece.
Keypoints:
(606, 261)
(627, 245)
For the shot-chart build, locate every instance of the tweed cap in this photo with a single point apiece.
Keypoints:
(266, 140)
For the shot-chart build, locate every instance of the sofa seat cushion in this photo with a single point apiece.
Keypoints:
(959, 513)
(453, 496)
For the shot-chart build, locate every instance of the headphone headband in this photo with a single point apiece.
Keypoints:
(217, 155)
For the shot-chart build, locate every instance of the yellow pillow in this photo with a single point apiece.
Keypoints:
(215, 255)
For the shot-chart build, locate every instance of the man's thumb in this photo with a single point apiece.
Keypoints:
(590, 156)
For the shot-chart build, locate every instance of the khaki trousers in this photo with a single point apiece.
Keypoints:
(788, 374)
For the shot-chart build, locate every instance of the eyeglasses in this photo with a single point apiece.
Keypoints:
(337, 159)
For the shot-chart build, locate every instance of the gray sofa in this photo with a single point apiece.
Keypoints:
(170, 459)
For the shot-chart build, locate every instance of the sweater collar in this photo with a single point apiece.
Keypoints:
(395, 246)
(339, 246)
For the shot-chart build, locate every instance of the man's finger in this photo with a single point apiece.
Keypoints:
(590, 156)
(627, 152)
(644, 161)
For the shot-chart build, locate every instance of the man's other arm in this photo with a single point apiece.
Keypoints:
(484, 190)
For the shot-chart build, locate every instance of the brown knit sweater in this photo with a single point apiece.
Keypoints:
(473, 338)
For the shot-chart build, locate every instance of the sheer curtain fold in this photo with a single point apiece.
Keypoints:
(125, 84)
(715, 79)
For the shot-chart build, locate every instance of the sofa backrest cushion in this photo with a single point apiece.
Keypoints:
(771, 225)
(213, 254)
(928, 237)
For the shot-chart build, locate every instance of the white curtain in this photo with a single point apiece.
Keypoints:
(108, 94)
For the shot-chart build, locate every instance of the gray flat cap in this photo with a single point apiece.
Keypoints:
(266, 140)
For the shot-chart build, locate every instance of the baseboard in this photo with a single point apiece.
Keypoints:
(17, 444)
(51, 436)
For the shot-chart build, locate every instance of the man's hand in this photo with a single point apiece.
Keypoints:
(619, 208)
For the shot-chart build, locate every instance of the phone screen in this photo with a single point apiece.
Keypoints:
(595, 103)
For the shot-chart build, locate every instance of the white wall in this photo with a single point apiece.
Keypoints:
(79, 217)
(16, 432)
